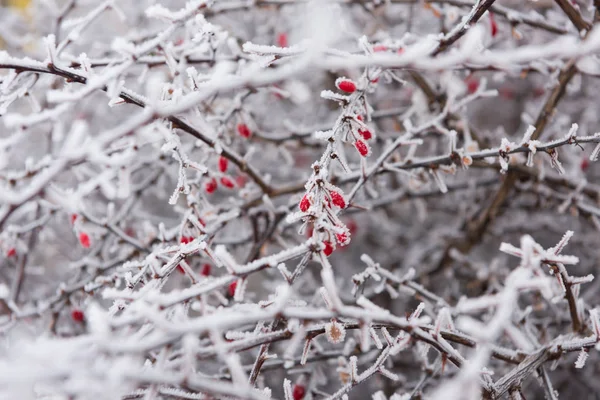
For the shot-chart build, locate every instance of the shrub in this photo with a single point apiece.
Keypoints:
(299, 199)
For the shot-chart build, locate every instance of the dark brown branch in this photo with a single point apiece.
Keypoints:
(570, 297)
(574, 15)
(475, 229)
(456, 34)
(177, 122)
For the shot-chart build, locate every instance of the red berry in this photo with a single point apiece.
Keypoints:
(493, 25)
(186, 239)
(338, 199)
(243, 130)
(282, 40)
(277, 93)
(84, 239)
(11, 252)
(240, 181)
(210, 186)
(205, 271)
(472, 85)
(359, 117)
(379, 48)
(298, 392)
(304, 204)
(365, 133)
(352, 226)
(585, 164)
(362, 148)
(73, 218)
(309, 231)
(341, 238)
(223, 164)
(228, 183)
(328, 248)
(232, 287)
(346, 85)
(538, 92)
(77, 315)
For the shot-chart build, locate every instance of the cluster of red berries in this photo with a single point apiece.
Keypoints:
(205, 270)
(342, 239)
(364, 132)
(210, 186)
(361, 146)
(186, 239)
(348, 86)
(336, 198)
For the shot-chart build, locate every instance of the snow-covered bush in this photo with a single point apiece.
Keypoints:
(295, 199)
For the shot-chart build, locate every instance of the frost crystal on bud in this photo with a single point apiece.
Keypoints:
(581, 358)
(335, 332)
